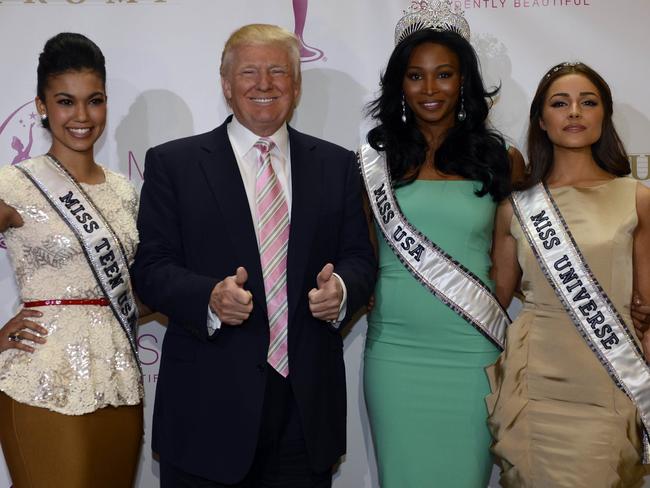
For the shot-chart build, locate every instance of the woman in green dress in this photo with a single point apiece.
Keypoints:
(424, 375)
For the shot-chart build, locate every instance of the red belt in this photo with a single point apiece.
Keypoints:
(103, 302)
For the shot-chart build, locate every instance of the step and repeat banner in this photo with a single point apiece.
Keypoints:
(163, 83)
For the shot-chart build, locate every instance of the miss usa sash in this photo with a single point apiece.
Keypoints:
(103, 250)
(437, 271)
(585, 301)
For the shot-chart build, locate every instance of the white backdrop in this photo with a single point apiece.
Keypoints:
(162, 60)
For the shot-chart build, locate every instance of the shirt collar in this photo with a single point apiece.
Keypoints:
(243, 139)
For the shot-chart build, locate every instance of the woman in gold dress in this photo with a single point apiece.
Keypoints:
(557, 417)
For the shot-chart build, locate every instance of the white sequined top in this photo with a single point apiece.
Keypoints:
(87, 362)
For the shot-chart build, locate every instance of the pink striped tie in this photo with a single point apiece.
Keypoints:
(273, 228)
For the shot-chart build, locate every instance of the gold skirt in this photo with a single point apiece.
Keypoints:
(552, 432)
(46, 449)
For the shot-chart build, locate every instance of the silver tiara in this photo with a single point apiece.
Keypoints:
(558, 67)
(440, 15)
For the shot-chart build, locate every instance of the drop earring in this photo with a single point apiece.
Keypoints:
(462, 115)
(403, 110)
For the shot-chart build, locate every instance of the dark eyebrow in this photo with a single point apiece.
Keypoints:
(582, 94)
(64, 94)
(446, 65)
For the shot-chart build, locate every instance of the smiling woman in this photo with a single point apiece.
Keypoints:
(73, 104)
(70, 383)
(432, 84)
(445, 171)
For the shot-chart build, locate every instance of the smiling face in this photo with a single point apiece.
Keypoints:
(261, 86)
(432, 85)
(573, 113)
(75, 104)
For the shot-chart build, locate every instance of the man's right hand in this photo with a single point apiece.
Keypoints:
(9, 217)
(230, 301)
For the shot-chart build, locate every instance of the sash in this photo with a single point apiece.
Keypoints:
(585, 301)
(103, 250)
(437, 271)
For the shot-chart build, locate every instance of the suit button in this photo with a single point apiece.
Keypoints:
(261, 367)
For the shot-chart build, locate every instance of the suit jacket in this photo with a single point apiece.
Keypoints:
(196, 229)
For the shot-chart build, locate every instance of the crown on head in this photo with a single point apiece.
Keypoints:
(440, 15)
(558, 67)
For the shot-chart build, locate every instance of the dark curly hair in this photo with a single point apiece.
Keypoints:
(470, 149)
(608, 152)
(67, 51)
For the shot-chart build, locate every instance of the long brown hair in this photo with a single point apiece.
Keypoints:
(608, 152)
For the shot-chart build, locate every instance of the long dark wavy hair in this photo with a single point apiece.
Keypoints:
(470, 149)
(608, 152)
(67, 51)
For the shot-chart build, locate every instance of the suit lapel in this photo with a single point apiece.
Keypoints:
(306, 177)
(222, 173)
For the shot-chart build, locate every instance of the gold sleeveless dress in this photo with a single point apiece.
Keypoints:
(557, 418)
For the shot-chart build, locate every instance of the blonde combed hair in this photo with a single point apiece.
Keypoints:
(262, 34)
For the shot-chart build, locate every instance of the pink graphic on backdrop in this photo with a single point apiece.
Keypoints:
(22, 152)
(17, 144)
(307, 53)
(134, 162)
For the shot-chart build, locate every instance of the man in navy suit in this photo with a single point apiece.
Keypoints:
(255, 245)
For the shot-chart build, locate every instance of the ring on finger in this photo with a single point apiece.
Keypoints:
(15, 337)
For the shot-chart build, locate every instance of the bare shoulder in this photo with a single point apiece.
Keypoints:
(643, 203)
(505, 208)
(517, 164)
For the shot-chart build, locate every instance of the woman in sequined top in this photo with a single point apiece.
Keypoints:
(70, 384)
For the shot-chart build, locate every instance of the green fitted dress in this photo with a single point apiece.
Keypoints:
(424, 376)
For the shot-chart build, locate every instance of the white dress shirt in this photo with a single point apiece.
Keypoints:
(243, 142)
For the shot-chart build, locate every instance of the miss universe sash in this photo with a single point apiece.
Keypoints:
(102, 248)
(437, 271)
(585, 301)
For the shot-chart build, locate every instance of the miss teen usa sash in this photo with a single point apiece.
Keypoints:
(585, 301)
(437, 271)
(102, 248)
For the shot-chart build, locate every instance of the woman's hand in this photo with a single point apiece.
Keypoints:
(641, 320)
(9, 217)
(645, 345)
(371, 303)
(640, 316)
(20, 328)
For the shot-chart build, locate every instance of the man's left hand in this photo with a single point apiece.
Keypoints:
(325, 301)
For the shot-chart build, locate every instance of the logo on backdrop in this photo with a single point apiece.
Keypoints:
(149, 351)
(640, 165)
(17, 132)
(497, 4)
(307, 53)
(77, 2)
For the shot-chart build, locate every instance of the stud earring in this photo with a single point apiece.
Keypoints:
(462, 115)
(403, 110)
(43, 117)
